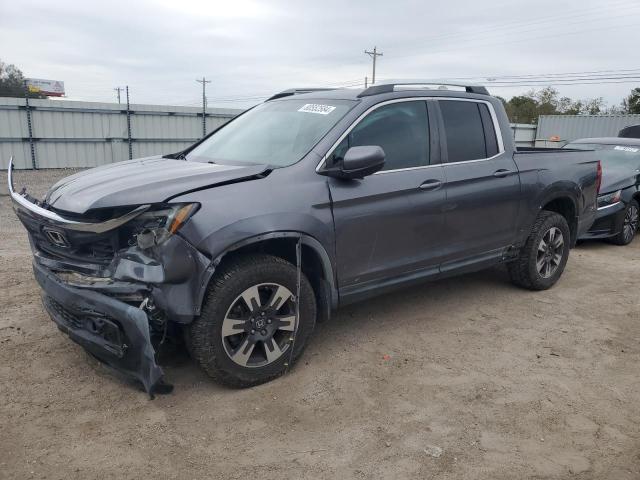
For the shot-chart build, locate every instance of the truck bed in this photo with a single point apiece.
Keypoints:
(549, 172)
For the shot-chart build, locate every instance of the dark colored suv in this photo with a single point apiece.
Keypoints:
(311, 200)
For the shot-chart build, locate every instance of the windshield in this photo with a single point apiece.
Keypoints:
(612, 155)
(273, 133)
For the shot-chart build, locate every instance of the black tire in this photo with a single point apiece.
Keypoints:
(629, 225)
(206, 341)
(524, 271)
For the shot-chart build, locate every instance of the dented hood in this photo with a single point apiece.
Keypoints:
(141, 181)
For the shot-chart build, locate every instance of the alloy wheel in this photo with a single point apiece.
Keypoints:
(630, 225)
(550, 251)
(259, 324)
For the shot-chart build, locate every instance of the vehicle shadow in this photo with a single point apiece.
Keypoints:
(595, 245)
(429, 303)
(381, 311)
(392, 308)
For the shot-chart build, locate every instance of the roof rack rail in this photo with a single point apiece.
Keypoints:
(297, 91)
(390, 86)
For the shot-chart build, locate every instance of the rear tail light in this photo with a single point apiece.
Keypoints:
(598, 178)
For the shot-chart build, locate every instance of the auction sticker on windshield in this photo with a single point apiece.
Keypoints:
(317, 108)
(626, 149)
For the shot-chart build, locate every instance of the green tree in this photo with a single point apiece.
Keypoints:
(547, 99)
(631, 104)
(594, 106)
(12, 82)
(522, 109)
(528, 107)
(567, 106)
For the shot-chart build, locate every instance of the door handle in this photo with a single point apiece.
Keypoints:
(503, 172)
(430, 184)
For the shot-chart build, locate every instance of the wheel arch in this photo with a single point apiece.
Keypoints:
(565, 205)
(316, 263)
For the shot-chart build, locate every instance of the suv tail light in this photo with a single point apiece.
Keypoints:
(598, 178)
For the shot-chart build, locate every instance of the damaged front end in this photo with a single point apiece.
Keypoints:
(114, 278)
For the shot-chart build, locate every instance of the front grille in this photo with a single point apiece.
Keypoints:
(95, 248)
(97, 251)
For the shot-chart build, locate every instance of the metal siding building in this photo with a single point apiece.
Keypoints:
(87, 134)
(524, 134)
(572, 127)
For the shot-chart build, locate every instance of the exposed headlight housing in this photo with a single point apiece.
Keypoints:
(160, 222)
(609, 199)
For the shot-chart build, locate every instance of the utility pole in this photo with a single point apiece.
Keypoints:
(118, 89)
(129, 140)
(366, 81)
(204, 82)
(34, 162)
(375, 54)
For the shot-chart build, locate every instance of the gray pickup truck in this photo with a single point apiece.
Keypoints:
(311, 200)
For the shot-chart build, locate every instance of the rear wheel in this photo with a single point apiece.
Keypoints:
(629, 225)
(544, 255)
(244, 335)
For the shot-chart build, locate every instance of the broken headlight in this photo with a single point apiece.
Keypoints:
(160, 222)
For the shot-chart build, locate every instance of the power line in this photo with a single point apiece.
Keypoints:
(511, 42)
(563, 82)
(490, 77)
(559, 79)
(258, 96)
(542, 79)
(472, 35)
(354, 80)
(596, 73)
(538, 82)
(567, 78)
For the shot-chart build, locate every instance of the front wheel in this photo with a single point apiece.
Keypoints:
(544, 255)
(629, 225)
(248, 326)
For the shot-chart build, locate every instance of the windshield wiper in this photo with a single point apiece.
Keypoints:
(176, 156)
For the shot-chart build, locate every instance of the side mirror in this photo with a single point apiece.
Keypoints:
(359, 162)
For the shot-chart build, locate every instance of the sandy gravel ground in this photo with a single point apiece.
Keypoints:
(462, 379)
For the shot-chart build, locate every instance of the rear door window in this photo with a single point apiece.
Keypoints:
(489, 131)
(469, 130)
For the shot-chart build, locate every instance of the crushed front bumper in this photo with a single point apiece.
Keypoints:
(93, 283)
(111, 330)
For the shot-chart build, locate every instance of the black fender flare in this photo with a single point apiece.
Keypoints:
(558, 194)
(573, 195)
(308, 240)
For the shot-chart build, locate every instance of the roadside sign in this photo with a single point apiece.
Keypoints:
(50, 88)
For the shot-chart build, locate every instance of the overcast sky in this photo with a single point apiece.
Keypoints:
(250, 49)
